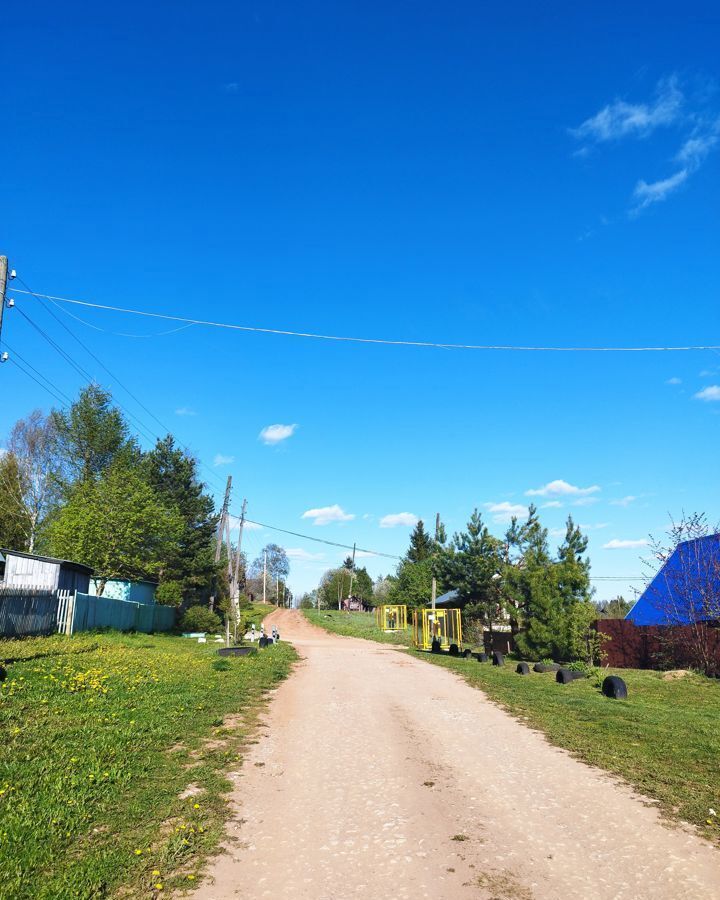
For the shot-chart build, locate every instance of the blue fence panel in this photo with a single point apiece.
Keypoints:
(124, 615)
(27, 612)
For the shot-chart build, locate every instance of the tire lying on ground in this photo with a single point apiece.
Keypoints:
(523, 669)
(546, 667)
(482, 657)
(467, 654)
(497, 658)
(613, 686)
(435, 646)
(454, 650)
(565, 676)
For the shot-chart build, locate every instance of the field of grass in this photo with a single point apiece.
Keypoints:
(355, 624)
(664, 740)
(102, 734)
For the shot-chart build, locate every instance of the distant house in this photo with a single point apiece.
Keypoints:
(135, 591)
(686, 589)
(28, 570)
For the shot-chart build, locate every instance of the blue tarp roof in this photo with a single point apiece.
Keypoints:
(448, 597)
(686, 589)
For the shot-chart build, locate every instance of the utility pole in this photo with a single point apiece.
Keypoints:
(236, 574)
(352, 572)
(277, 590)
(264, 574)
(223, 529)
(3, 285)
(434, 580)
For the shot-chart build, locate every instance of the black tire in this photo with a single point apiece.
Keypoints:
(435, 646)
(262, 642)
(482, 657)
(467, 654)
(546, 667)
(613, 686)
(523, 668)
(497, 658)
(454, 650)
(565, 676)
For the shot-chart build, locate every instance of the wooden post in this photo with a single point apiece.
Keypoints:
(3, 285)
(70, 614)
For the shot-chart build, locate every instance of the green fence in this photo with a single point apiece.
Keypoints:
(105, 612)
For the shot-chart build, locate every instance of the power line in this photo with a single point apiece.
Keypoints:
(363, 340)
(318, 540)
(55, 388)
(37, 381)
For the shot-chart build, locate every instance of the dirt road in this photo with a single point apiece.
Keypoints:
(381, 776)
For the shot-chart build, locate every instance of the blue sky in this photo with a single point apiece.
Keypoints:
(513, 174)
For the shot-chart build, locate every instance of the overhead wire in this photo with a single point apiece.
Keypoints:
(383, 341)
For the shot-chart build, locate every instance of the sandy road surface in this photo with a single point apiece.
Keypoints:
(374, 764)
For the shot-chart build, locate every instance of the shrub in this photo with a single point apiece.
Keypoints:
(169, 593)
(200, 618)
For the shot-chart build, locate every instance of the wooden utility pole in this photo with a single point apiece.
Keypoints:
(264, 574)
(352, 572)
(434, 580)
(236, 574)
(3, 285)
(222, 530)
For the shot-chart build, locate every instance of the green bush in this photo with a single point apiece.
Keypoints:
(169, 593)
(200, 618)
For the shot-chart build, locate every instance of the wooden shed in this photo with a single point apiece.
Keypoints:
(28, 570)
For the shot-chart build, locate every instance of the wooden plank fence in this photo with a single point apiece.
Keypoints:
(27, 611)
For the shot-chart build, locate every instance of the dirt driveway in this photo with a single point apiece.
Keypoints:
(381, 776)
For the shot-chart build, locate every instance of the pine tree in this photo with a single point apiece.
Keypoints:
(172, 474)
(421, 544)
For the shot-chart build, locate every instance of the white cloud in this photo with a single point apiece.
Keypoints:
(303, 555)
(394, 519)
(185, 411)
(693, 152)
(324, 515)
(616, 544)
(674, 381)
(594, 527)
(552, 504)
(504, 512)
(646, 194)
(709, 394)
(560, 488)
(585, 501)
(273, 434)
(623, 501)
(222, 460)
(638, 120)
(557, 532)
(364, 554)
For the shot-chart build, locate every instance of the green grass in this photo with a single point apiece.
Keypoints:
(355, 624)
(101, 735)
(664, 740)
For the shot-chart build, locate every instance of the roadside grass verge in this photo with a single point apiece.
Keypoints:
(355, 624)
(102, 734)
(664, 740)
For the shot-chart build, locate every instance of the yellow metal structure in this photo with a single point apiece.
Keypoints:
(445, 625)
(391, 618)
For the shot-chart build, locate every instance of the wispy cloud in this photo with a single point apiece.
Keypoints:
(695, 149)
(656, 191)
(324, 515)
(616, 544)
(552, 504)
(231, 87)
(274, 434)
(709, 394)
(585, 501)
(621, 119)
(504, 512)
(596, 527)
(623, 501)
(248, 526)
(185, 411)
(560, 488)
(303, 555)
(393, 520)
(222, 460)
(674, 381)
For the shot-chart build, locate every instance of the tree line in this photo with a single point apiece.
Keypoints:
(75, 484)
(517, 582)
